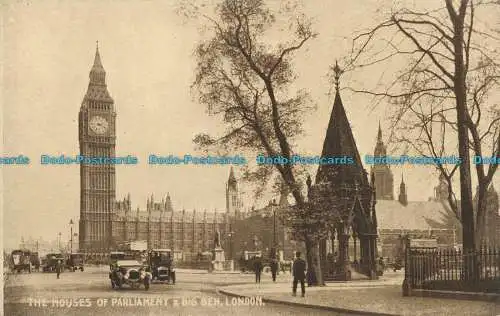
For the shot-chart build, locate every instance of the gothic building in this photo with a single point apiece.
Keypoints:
(105, 223)
(96, 129)
(418, 219)
(233, 200)
(384, 181)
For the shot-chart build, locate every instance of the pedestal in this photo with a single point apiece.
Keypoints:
(219, 255)
(219, 260)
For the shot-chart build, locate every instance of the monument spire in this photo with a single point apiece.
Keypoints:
(338, 72)
(339, 141)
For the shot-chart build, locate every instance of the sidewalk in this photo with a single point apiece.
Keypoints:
(378, 297)
(198, 271)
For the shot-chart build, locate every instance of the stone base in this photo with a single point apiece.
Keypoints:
(227, 265)
(219, 255)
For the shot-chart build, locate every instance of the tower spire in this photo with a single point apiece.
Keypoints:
(379, 135)
(338, 72)
(403, 198)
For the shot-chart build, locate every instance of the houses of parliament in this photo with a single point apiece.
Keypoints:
(105, 223)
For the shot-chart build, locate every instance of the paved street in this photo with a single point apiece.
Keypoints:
(194, 294)
(379, 296)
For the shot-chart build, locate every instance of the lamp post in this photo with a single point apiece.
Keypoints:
(230, 235)
(59, 240)
(71, 236)
(272, 204)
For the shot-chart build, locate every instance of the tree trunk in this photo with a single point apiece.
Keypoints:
(319, 273)
(309, 256)
(467, 211)
(463, 133)
(481, 216)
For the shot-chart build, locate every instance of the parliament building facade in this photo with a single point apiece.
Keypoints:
(105, 223)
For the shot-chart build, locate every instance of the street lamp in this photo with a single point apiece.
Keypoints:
(71, 234)
(230, 235)
(59, 241)
(272, 204)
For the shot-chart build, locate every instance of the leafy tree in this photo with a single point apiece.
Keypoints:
(247, 81)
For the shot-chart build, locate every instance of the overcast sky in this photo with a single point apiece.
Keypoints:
(146, 49)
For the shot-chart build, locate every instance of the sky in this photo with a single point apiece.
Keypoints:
(147, 52)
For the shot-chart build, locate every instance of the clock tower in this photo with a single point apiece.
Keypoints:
(96, 129)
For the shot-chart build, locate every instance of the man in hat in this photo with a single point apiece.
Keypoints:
(299, 275)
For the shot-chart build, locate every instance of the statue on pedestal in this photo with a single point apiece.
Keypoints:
(217, 240)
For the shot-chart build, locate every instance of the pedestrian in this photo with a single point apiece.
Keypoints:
(299, 268)
(58, 268)
(258, 269)
(274, 268)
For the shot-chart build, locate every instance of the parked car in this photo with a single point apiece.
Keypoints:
(131, 273)
(35, 261)
(75, 262)
(50, 262)
(21, 261)
(115, 256)
(161, 265)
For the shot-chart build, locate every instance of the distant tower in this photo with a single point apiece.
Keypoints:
(168, 204)
(384, 181)
(97, 137)
(233, 204)
(441, 190)
(403, 198)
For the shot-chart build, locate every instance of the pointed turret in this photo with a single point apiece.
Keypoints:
(339, 142)
(403, 199)
(97, 68)
(168, 204)
(380, 149)
(97, 90)
(384, 181)
(232, 179)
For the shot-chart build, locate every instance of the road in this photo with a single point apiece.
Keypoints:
(90, 291)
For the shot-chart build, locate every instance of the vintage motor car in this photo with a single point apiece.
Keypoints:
(20, 261)
(35, 261)
(161, 265)
(114, 256)
(131, 273)
(75, 262)
(50, 262)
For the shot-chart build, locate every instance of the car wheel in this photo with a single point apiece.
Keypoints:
(81, 269)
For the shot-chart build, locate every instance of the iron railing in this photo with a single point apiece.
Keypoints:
(453, 270)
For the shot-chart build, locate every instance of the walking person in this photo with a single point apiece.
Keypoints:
(58, 268)
(299, 268)
(274, 268)
(258, 269)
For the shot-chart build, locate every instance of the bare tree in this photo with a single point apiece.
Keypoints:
(246, 81)
(440, 98)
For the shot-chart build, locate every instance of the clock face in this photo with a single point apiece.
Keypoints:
(99, 125)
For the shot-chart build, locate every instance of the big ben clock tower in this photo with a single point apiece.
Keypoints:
(96, 128)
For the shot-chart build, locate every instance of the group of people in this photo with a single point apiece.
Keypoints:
(258, 266)
(298, 271)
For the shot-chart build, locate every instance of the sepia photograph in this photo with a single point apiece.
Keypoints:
(250, 157)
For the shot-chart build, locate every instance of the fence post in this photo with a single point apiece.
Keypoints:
(408, 264)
